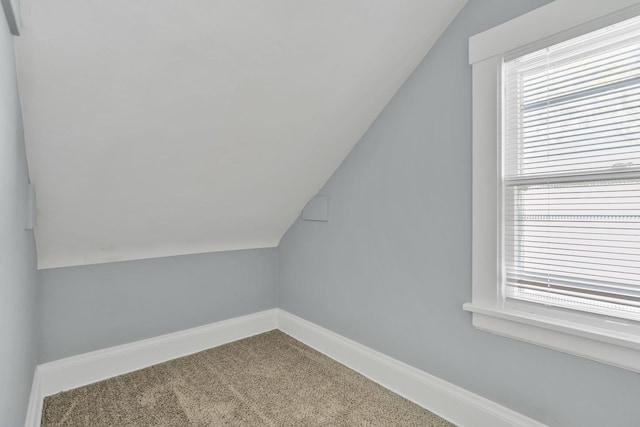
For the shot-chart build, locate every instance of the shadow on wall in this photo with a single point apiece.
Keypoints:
(18, 274)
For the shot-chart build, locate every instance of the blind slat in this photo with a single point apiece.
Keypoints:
(542, 277)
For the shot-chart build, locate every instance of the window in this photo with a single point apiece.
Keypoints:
(556, 240)
(571, 174)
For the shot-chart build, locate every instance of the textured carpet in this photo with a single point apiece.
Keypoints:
(266, 380)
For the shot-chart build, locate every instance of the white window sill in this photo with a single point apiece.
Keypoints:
(592, 342)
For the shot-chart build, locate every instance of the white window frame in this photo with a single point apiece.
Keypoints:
(612, 341)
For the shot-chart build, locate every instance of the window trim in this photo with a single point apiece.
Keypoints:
(606, 340)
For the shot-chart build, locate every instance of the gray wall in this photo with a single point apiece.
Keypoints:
(17, 251)
(92, 307)
(392, 267)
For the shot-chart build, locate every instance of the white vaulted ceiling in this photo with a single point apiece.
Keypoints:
(166, 127)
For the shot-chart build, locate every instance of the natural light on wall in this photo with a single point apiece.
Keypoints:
(571, 173)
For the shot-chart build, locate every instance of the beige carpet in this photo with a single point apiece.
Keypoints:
(266, 380)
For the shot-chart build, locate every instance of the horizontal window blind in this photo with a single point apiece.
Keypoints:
(571, 173)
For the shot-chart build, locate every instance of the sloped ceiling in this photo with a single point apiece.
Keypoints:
(166, 127)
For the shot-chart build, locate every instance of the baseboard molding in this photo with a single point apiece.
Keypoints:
(461, 407)
(34, 410)
(64, 374)
(451, 402)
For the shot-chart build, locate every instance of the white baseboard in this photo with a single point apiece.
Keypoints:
(34, 410)
(453, 403)
(64, 374)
